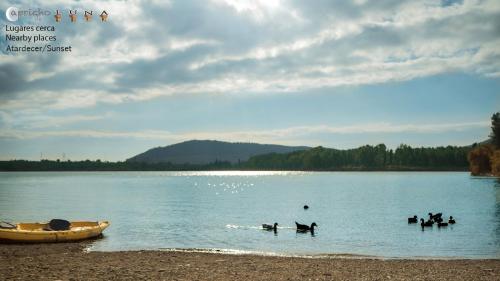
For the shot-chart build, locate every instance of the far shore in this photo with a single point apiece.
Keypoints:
(70, 261)
(262, 170)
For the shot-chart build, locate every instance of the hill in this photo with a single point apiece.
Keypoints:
(202, 152)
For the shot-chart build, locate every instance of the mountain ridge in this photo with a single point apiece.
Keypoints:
(209, 151)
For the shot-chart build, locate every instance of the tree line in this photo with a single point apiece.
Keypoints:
(98, 165)
(366, 157)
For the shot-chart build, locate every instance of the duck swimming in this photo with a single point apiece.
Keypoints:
(428, 223)
(413, 220)
(304, 227)
(451, 220)
(270, 227)
(442, 224)
(435, 217)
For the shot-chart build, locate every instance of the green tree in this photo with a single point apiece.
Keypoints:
(495, 129)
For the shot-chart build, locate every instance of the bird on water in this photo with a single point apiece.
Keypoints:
(270, 226)
(413, 220)
(305, 227)
(451, 220)
(428, 223)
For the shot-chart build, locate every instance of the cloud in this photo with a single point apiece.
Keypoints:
(150, 49)
(11, 79)
(258, 135)
(41, 122)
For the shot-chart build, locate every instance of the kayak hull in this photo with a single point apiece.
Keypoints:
(35, 233)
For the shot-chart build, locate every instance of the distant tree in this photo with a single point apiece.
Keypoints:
(495, 129)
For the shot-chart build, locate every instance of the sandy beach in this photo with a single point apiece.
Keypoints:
(70, 261)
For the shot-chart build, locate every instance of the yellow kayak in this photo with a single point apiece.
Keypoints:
(50, 232)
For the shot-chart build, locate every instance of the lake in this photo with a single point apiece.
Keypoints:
(360, 213)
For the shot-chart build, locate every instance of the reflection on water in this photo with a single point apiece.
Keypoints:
(357, 213)
(236, 173)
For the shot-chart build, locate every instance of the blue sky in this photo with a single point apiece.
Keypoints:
(332, 73)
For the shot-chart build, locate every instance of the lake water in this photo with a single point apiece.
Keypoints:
(361, 213)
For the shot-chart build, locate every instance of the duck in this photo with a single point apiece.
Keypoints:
(413, 220)
(431, 217)
(426, 224)
(270, 226)
(306, 207)
(305, 227)
(435, 217)
(442, 224)
(451, 220)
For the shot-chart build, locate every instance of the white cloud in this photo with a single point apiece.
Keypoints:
(42, 122)
(272, 135)
(154, 48)
(259, 10)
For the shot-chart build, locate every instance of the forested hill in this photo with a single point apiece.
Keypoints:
(369, 158)
(365, 158)
(202, 152)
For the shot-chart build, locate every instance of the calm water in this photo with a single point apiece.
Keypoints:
(357, 213)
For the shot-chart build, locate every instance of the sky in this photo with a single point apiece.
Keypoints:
(338, 74)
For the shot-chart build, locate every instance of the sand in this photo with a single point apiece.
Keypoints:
(69, 261)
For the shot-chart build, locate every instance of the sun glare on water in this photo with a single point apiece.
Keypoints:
(237, 173)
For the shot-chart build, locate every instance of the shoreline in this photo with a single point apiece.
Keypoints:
(70, 261)
(236, 252)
